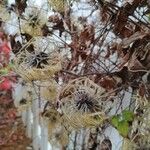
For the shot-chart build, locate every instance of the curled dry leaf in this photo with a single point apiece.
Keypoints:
(107, 82)
(135, 65)
(87, 35)
(142, 90)
(58, 23)
(137, 35)
(122, 15)
(21, 5)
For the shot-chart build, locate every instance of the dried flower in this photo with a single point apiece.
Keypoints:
(4, 13)
(81, 103)
(39, 60)
(38, 66)
(59, 136)
(57, 5)
(57, 132)
(85, 102)
(49, 89)
(34, 20)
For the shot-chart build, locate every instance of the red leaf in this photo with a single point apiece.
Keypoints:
(5, 85)
(4, 51)
(6, 48)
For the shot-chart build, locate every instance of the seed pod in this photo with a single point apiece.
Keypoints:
(81, 103)
(58, 5)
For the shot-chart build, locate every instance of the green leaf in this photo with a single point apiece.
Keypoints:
(121, 122)
(127, 115)
(123, 128)
(115, 121)
(4, 71)
(11, 65)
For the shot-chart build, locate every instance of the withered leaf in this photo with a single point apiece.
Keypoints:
(136, 36)
(134, 64)
(107, 82)
(87, 35)
(122, 15)
(45, 30)
(21, 5)
(58, 23)
(142, 90)
(15, 45)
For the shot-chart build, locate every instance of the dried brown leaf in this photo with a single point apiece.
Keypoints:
(142, 90)
(134, 64)
(87, 35)
(136, 36)
(21, 5)
(107, 82)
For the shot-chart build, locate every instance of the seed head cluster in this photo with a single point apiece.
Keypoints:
(86, 102)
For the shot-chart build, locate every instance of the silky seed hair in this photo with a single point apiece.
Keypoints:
(82, 110)
(79, 119)
(80, 103)
(38, 66)
(38, 60)
(85, 102)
